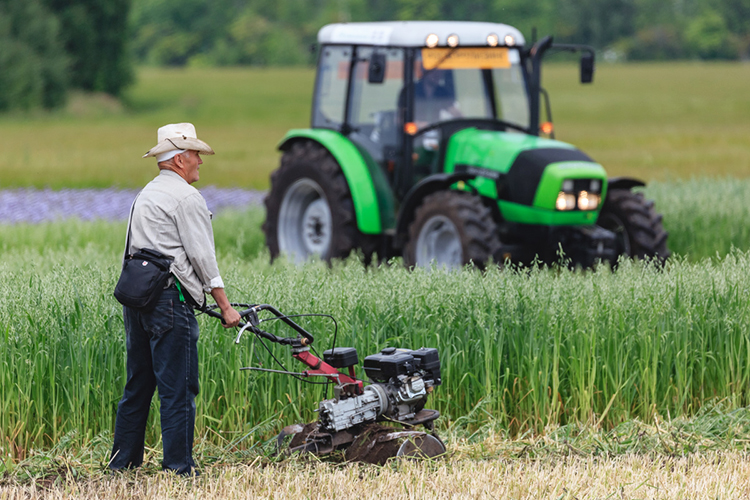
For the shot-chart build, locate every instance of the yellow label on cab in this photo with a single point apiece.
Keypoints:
(466, 58)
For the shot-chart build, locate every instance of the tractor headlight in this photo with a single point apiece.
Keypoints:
(581, 194)
(588, 201)
(509, 40)
(565, 201)
(493, 40)
(452, 40)
(431, 40)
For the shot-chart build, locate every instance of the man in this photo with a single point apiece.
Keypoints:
(434, 101)
(434, 98)
(169, 216)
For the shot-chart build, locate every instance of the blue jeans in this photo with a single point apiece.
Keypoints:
(162, 348)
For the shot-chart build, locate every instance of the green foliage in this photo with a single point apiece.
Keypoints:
(48, 45)
(33, 65)
(697, 30)
(95, 34)
(594, 22)
(658, 42)
(708, 37)
(222, 32)
(539, 14)
(265, 32)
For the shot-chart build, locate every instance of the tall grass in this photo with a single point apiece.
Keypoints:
(705, 217)
(532, 347)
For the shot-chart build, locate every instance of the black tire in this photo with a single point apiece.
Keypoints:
(309, 208)
(636, 224)
(451, 228)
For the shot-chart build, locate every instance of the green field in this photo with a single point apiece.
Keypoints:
(532, 352)
(241, 113)
(654, 121)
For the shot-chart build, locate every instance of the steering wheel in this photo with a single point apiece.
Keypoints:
(468, 121)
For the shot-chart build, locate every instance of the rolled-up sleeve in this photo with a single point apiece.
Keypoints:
(193, 221)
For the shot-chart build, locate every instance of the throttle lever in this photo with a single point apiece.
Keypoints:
(244, 326)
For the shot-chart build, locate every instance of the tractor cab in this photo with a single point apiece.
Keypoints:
(401, 103)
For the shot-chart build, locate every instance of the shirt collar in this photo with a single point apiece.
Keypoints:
(170, 173)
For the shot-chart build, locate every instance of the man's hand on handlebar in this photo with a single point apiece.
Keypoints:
(230, 315)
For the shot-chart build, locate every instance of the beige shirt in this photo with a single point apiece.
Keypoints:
(171, 217)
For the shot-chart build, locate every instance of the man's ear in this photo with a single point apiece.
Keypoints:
(178, 161)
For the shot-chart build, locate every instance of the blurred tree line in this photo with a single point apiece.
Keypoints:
(49, 46)
(279, 32)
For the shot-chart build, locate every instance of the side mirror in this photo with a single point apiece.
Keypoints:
(587, 67)
(376, 69)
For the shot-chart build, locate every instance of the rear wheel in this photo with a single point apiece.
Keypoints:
(309, 210)
(451, 229)
(636, 224)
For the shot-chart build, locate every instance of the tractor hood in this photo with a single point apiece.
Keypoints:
(518, 168)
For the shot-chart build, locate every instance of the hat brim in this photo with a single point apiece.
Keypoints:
(182, 142)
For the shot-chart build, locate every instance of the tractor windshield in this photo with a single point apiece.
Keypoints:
(375, 111)
(482, 83)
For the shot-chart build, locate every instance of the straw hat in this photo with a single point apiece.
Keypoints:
(177, 138)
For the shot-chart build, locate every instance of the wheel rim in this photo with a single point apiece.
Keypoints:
(613, 223)
(421, 446)
(305, 222)
(440, 242)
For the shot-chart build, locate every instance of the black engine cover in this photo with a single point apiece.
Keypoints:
(393, 362)
(383, 367)
(341, 357)
(428, 361)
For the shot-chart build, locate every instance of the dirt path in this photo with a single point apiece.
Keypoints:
(40, 205)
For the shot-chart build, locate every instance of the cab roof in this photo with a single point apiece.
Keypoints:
(414, 33)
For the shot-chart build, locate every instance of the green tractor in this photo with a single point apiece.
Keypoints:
(425, 143)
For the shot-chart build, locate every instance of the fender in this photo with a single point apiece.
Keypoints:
(372, 197)
(624, 183)
(427, 186)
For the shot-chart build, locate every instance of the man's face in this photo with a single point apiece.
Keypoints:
(191, 162)
(432, 77)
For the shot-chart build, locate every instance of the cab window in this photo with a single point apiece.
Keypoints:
(331, 86)
(374, 106)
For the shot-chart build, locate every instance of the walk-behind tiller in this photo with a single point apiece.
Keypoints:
(401, 380)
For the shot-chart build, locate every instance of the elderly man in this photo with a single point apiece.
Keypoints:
(170, 216)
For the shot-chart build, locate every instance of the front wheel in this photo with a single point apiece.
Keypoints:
(637, 226)
(451, 229)
(309, 210)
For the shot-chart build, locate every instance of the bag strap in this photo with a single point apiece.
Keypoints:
(130, 222)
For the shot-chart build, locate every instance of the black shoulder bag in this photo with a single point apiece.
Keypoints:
(144, 275)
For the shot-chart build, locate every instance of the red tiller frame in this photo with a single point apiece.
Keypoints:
(319, 367)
